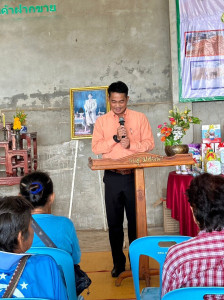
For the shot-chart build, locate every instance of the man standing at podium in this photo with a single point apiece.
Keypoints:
(119, 133)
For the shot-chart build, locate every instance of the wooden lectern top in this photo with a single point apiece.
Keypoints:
(141, 160)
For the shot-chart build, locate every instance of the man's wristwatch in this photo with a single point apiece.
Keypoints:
(116, 139)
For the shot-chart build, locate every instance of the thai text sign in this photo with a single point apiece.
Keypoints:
(21, 9)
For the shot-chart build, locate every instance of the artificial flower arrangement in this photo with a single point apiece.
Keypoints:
(22, 117)
(179, 122)
(17, 124)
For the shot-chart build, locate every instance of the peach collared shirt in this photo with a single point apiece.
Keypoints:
(138, 129)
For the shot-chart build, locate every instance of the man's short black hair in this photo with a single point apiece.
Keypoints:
(15, 216)
(118, 87)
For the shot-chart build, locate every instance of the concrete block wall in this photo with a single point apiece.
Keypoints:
(86, 43)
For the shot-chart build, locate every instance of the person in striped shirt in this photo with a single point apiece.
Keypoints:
(200, 260)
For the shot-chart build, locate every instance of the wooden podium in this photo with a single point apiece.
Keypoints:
(138, 162)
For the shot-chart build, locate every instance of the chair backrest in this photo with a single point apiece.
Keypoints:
(27, 299)
(150, 246)
(64, 260)
(194, 293)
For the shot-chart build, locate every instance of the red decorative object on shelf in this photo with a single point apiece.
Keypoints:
(19, 157)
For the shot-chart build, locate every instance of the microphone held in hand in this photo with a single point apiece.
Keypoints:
(121, 121)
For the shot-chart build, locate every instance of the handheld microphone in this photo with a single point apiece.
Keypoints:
(121, 121)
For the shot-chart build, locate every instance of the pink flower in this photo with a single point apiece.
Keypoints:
(171, 119)
(165, 123)
(159, 126)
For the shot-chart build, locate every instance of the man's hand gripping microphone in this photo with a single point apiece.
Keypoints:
(121, 121)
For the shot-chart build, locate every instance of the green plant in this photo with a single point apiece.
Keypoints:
(22, 116)
(179, 122)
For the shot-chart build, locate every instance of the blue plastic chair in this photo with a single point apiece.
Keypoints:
(64, 260)
(194, 293)
(149, 246)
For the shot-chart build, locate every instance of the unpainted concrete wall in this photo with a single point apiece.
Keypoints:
(85, 43)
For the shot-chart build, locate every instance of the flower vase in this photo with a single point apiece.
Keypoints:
(17, 139)
(176, 149)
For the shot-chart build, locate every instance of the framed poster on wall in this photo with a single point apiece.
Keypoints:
(200, 37)
(86, 105)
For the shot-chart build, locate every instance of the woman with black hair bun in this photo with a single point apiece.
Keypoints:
(37, 188)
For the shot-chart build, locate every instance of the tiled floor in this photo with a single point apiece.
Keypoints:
(97, 262)
(98, 240)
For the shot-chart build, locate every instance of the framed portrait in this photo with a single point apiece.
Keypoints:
(86, 105)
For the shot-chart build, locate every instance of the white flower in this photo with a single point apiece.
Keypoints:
(177, 133)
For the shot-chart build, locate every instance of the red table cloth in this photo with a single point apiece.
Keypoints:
(177, 201)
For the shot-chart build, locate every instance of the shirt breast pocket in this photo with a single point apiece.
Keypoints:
(133, 133)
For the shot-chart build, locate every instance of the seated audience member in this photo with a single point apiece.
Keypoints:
(37, 188)
(41, 277)
(200, 260)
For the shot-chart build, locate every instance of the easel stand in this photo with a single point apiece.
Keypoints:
(138, 162)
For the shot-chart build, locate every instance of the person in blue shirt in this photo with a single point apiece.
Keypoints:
(41, 277)
(37, 188)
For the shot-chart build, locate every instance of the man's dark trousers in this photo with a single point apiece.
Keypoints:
(119, 196)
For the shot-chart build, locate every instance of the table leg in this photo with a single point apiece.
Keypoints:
(35, 153)
(140, 203)
(141, 220)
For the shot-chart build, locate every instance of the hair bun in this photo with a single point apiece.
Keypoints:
(35, 188)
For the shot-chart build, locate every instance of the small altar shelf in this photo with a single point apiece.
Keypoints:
(18, 154)
(6, 180)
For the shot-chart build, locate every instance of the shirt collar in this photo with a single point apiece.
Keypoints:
(210, 233)
(7, 259)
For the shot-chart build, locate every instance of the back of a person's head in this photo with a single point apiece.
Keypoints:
(206, 197)
(118, 87)
(15, 214)
(36, 187)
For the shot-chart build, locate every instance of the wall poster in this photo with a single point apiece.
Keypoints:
(200, 36)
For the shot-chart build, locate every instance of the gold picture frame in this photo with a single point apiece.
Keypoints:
(86, 105)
